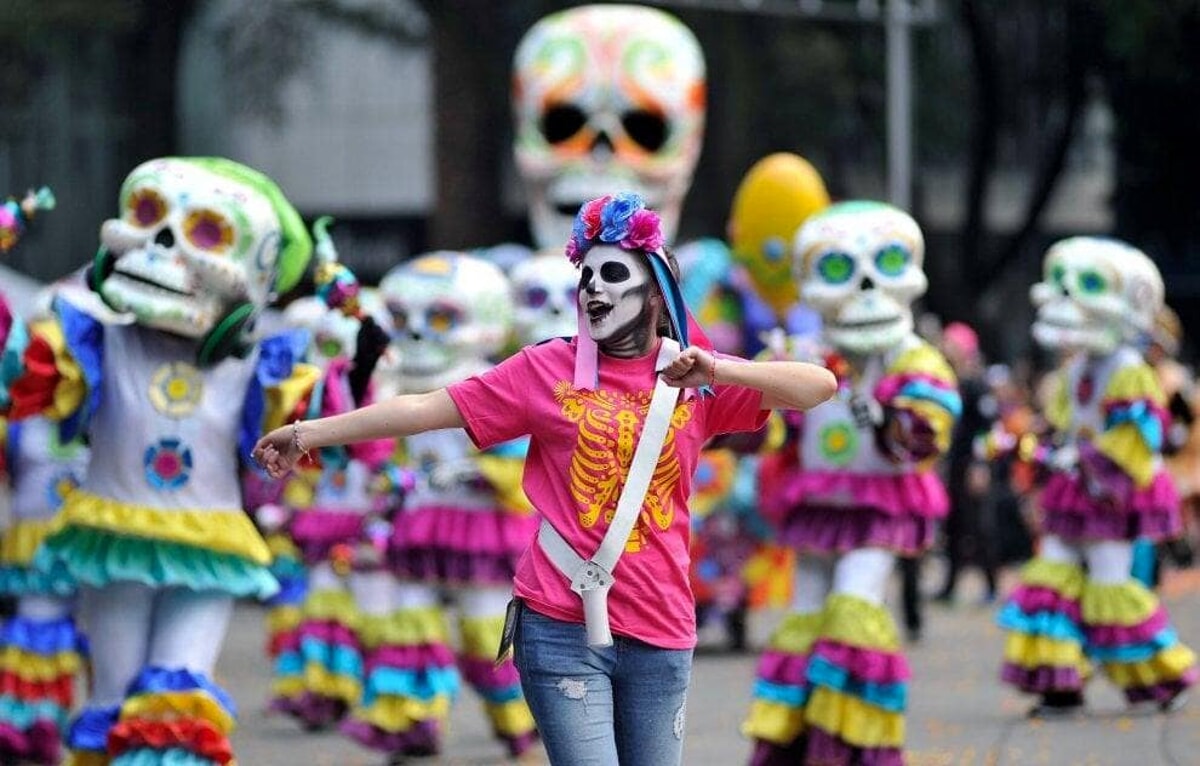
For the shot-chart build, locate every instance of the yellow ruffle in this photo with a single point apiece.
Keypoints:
(852, 720)
(1135, 381)
(1123, 444)
(161, 706)
(21, 541)
(510, 719)
(940, 420)
(86, 758)
(773, 722)
(481, 635)
(224, 531)
(1039, 651)
(282, 547)
(283, 619)
(281, 399)
(395, 714)
(71, 387)
(1126, 604)
(39, 667)
(923, 359)
(854, 622)
(504, 474)
(407, 627)
(288, 687)
(796, 632)
(331, 606)
(299, 491)
(1168, 665)
(319, 680)
(1058, 406)
(1059, 576)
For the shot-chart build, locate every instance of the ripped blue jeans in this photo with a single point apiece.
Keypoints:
(619, 704)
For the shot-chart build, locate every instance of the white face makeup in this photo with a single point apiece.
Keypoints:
(614, 294)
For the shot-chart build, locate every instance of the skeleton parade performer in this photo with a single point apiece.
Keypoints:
(156, 535)
(853, 489)
(604, 645)
(1078, 603)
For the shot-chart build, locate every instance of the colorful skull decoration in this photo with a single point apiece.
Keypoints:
(546, 290)
(450, 312)
(196, 239)
(607, 98)
(1096, 294)
(859, 265)
(333, 335)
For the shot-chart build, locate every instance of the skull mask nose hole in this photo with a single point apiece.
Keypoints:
(165, 238)
(602, 140)
(866, 284)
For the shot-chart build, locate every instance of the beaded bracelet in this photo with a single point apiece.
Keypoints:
(296, 438)
(712, 373)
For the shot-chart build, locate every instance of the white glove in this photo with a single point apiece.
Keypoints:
(271, 517)
(1065, 458)
(446, 476)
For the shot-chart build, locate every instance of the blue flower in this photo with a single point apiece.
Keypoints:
(614, 219)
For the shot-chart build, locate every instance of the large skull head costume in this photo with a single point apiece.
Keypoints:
(859, 265)
(200, 247)
(546, 292)
(450, 312)
(1095, 294)
(332, 334)
(607, 98)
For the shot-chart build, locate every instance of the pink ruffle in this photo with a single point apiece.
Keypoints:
(1073, 513)
(1042, 679)
(316, 531)
(782, 668)
(1127, 635)
(460, 546)
(327, 632)
(39, 744)
(864, 664)
(409, 657)
(1032, 599)
(486, 674)
(840, 530)
(910, 494)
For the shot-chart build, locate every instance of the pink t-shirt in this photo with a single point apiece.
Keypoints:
(580, 448)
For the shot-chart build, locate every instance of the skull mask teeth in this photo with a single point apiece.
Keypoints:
(606, 99)
(859, 265)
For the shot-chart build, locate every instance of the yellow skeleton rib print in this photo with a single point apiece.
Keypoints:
(609, 425)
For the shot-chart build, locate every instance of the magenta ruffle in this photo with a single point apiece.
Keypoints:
(910, 494)
(869, 665)
(839, 530)
(39, 744)
(1042, 679)
(783, 668)
(486, 674)
(422, 739)
(336, 400)
(409, 657)
(285, 642)
(1031, 599)
(1125, 635)
(315, 531)
(313, 711)
(828, 750)
(460, 546)
(259, 490)
(1162, 692)
(328, 632)
(1072, 513)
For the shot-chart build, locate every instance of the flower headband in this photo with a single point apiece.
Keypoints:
(615, 219)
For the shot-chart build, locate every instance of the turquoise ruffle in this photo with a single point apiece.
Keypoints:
(173, 757)
(27, 581)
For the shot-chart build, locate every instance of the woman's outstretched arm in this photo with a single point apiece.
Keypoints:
(784, 385)
(399, 416)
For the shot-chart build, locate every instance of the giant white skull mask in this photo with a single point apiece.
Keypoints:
(1096, 293)
(859, 265)
(450, 312)
(607, 98)
(332, 334)
(190, 244)
(546, 292)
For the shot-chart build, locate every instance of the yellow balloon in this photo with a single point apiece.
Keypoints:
(775, 197)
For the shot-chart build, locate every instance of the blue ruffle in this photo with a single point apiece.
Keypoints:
(90, 730)
(22, 715)
(44, 637)
(501, 694)
(288, 664)
(1055, 625)
(893, 697)
(154, 680)
(422, 685)
(292, 590)
(28, 581)
(792, 696)
(342, 660)
(175, 756)
(96, 557)
(84, 337)
(1141, 652)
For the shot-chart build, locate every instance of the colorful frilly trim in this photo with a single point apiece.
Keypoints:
(98, 557)
(1074, 513)
(832, 529)
(88, 736)
(39, 661)
(498, 684)
(319, 676)
(832, 685)
(458, 546)
(18, 576)
(316, 531)
(410, 682)
(1043, 650)
(172, 717)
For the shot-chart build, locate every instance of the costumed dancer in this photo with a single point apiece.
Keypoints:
(1078, 602)
(858, 489)
(156, 535)
(458, 535)
(329, 506)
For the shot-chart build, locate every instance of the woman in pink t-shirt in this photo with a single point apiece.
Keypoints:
(584, 402)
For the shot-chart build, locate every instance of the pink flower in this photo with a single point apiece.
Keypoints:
(590, 214)
(645, 232)
(573, 254)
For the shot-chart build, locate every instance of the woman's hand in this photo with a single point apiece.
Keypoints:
(279, 451)
(694, 367)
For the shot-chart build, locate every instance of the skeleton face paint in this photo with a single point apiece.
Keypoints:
(614, 292)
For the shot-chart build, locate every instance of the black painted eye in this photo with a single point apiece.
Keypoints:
(647, 129)
(536, 297)
(614, 271)
(561, 122)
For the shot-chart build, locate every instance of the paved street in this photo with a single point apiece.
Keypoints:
(960, 715)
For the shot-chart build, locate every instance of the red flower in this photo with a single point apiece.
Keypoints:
(590, 214)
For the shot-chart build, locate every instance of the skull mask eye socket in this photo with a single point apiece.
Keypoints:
(146, 208)
(442, 319)
(562, 122)
(892, 260)
(1058, 275)
(208, 230)
(614, 272)
(835, 268)
(399, 316)
(536, 297)
(1092, 282)
(645, 128)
